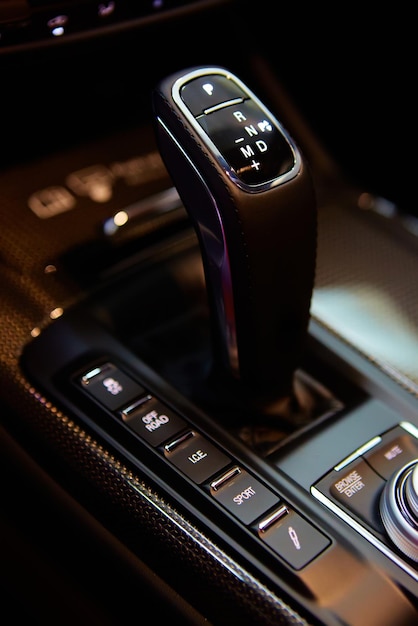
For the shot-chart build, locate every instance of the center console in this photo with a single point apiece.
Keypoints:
(209, 333)
(299, 466)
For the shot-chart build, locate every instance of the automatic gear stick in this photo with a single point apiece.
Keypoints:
(249, 194)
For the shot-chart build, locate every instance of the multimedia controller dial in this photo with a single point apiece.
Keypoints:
(399, 509)
(378, 485)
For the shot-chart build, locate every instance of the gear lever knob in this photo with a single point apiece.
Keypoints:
(250, 197)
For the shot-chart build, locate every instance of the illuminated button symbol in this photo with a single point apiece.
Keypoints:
(95, 182)
(265, 126)
(105, 8)
(51, 201)
(208, 87)
(393, 452)
(293, 536)
(113, 386)
(57, 25)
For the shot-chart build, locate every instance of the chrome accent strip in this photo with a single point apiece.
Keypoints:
(352, 457)
(273, 518)
(169, 447)
(222, 276)
(226, 477)
(126, 412)
(227, 103)
(87, 378)
(410, 428)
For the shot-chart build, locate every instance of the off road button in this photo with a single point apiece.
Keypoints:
(358, 488)
(152, 420)
(195, 456)
(243, 495)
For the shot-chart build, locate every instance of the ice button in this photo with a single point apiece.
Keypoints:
(195, 456)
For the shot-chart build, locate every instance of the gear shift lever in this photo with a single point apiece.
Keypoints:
(249, 194)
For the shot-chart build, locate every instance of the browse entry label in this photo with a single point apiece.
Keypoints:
(358, 488)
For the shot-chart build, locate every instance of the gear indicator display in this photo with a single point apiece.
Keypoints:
(245, 135)
(252, 146)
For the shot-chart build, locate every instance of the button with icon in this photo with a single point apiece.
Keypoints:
(208, 91)
(112, 387)
(294, 539)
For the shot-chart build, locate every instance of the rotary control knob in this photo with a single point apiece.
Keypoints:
(399, 509)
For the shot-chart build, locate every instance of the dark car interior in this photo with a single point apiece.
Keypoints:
(208, 314)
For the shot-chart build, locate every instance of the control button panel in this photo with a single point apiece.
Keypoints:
(366, 486)
(358, 488)
(215, 473)
(358, 481)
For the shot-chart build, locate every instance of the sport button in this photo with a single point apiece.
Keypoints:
(243, 495)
